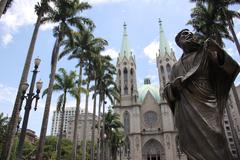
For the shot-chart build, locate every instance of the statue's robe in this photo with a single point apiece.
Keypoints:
(198, 107)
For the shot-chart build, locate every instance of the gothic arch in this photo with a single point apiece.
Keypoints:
(126, 118)
(168, 67)
(125, 75)
(131, 71)
(119, 72)
(153, 150)
(127, 146)
(162, 69)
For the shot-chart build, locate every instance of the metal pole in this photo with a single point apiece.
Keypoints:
(30, 97)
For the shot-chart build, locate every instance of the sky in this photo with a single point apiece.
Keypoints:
(141, 17)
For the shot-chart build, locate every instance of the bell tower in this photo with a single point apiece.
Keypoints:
(165, 59)
(126, 73)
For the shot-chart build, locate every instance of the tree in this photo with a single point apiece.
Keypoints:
(81, 49)
(65, 13)
(112, 126)
(40, 9)
(3, 128)
(105, 85)
(208, 24)
(221, 8)
(64, 83)
(4, 5)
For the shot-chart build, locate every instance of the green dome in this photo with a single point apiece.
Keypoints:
(143, 90)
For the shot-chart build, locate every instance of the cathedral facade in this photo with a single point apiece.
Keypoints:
(148, 121)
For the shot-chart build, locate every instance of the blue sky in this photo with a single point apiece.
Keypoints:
(141, 17)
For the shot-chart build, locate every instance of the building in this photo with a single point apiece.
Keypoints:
(31, 136)
(232, 124)
(56, 120)
(149, 129)
(148, 122)
(69, 124)
(70, 129)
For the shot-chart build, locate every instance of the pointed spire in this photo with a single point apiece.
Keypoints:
(125, 50)
(163, 44)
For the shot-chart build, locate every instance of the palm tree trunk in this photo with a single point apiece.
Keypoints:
(233, 34)
(99, 138)
(59, 143)
(103, 132)
(74, 149)
(7, 147)
(48, 99)
(93, 123)
(2, 6)
(231, 30)
(85, 123)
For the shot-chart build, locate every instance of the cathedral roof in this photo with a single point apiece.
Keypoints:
(163, 43)
(125, 49)
(148, 87)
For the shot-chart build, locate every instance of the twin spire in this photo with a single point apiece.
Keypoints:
(164, 47)
(125, 49)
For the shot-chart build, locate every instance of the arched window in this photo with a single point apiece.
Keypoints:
(125, 90)
(131, 71)
(162, 69)
(127, 147)
(125, 73)
(168, 68)
(119, 72)
(164, 80)
(132, 90)
(126, 117)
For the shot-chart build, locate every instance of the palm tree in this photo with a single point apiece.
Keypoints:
(116, 142)
(65, 13)
(4, 5)
(40, 9)
(97, 59)
(208, 24)
(3, 127)
(112, 126)
(83, 47)
(65, 83)
(221, 8)
(105, 84)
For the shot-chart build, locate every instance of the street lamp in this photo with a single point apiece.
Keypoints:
(29, 98)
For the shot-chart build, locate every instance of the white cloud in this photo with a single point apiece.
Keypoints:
(110, 52)
(20, 14)
(151, 50)
(7, 38)
(7, 94)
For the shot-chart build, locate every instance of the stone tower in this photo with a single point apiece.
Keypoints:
(128, 108)
(126, 72)
(165, 60)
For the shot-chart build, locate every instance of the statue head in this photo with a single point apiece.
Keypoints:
(187, 41)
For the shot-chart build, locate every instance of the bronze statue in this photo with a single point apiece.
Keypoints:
(197, 94)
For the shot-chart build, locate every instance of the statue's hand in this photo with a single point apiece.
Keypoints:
(214, 50)
(178, 83)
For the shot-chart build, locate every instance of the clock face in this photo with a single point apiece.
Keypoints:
(150, 118)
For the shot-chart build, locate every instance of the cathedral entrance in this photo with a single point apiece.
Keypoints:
(152, 150)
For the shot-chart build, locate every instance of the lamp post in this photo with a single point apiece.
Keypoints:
(29, 98)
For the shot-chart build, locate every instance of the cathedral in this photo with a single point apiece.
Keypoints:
(148, 121)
